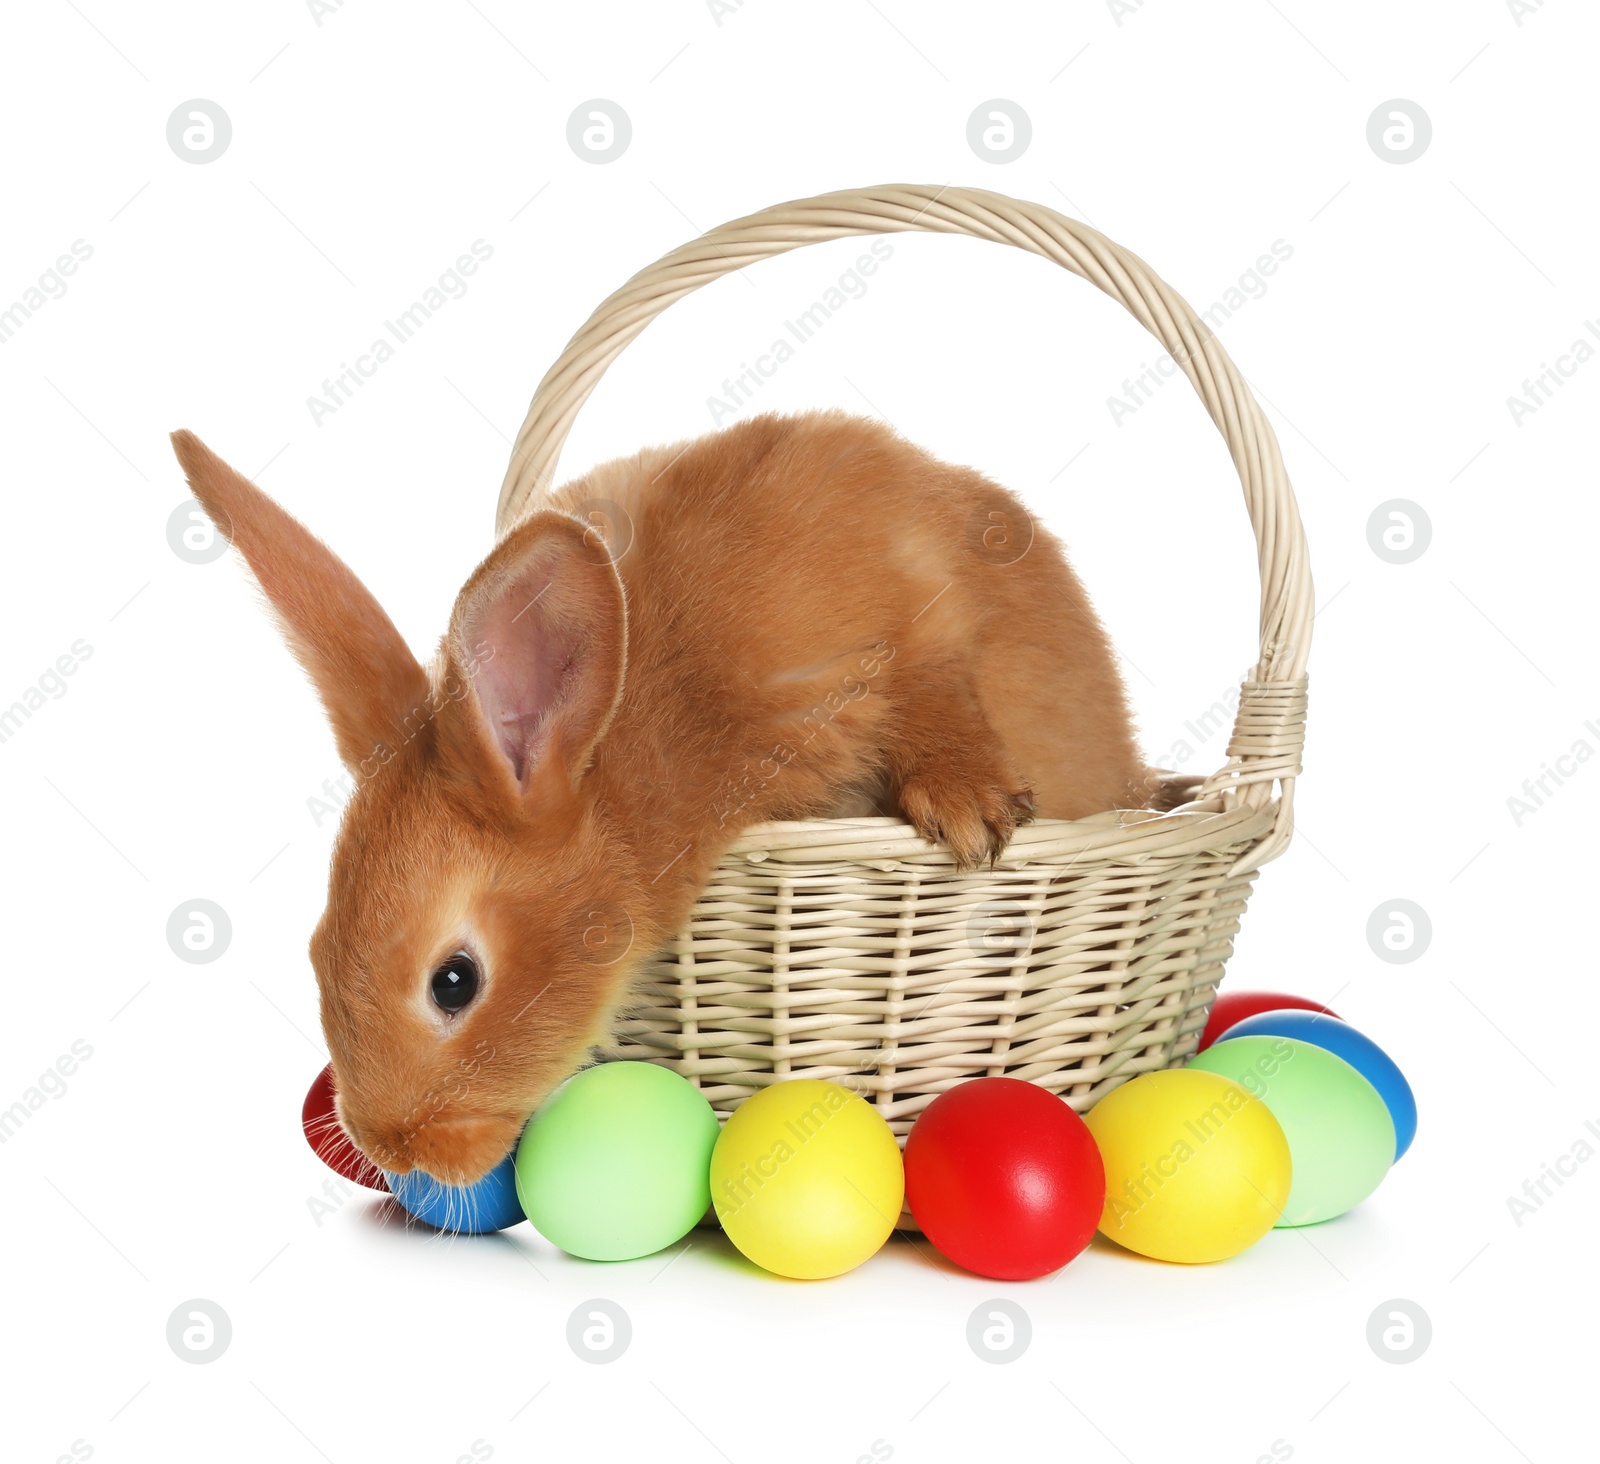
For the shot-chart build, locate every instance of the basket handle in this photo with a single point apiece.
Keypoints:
(1269, 730)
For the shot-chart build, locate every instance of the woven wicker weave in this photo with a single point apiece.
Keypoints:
(851, 949)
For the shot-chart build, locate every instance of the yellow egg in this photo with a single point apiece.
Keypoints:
(806, 1179)
(1196, 1168)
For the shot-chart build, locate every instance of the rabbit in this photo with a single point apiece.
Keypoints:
(795, 617)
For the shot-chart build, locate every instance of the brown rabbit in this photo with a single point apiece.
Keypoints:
(805, 617)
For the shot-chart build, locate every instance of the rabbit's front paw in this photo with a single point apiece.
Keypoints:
(974, 818)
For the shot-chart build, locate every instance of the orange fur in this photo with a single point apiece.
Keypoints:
(809, 617)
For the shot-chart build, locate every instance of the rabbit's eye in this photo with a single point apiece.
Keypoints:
(455, 983)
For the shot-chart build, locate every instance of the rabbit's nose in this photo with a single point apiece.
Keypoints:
(386, 1145)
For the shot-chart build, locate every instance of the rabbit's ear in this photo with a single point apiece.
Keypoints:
(541, 629)
(374, 690)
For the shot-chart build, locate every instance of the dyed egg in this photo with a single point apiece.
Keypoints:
(1196, 1168)
(328, 1140)
(1234, 1006)
(807, 1179)
(1004, 1178)
(615, 1164)
(1356, 1048)
(1340, 1134)
(467, 1209)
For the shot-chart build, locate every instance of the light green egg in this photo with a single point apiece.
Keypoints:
(1341, 1136)
(616, 1162)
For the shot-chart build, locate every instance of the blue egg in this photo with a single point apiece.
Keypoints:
(472, 1209)
(1356, 1048)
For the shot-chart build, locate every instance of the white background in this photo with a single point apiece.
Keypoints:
(372, 149)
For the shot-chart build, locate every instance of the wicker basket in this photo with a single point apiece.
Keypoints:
(853, 950)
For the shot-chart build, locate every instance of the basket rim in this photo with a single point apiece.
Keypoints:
(1116, 836)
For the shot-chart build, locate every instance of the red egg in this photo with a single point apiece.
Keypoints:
(329, 1141)
(1004, 1178)
(1235, 1006)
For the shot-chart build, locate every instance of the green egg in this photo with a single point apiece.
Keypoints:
(1341, 1136)
(616, 1163)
